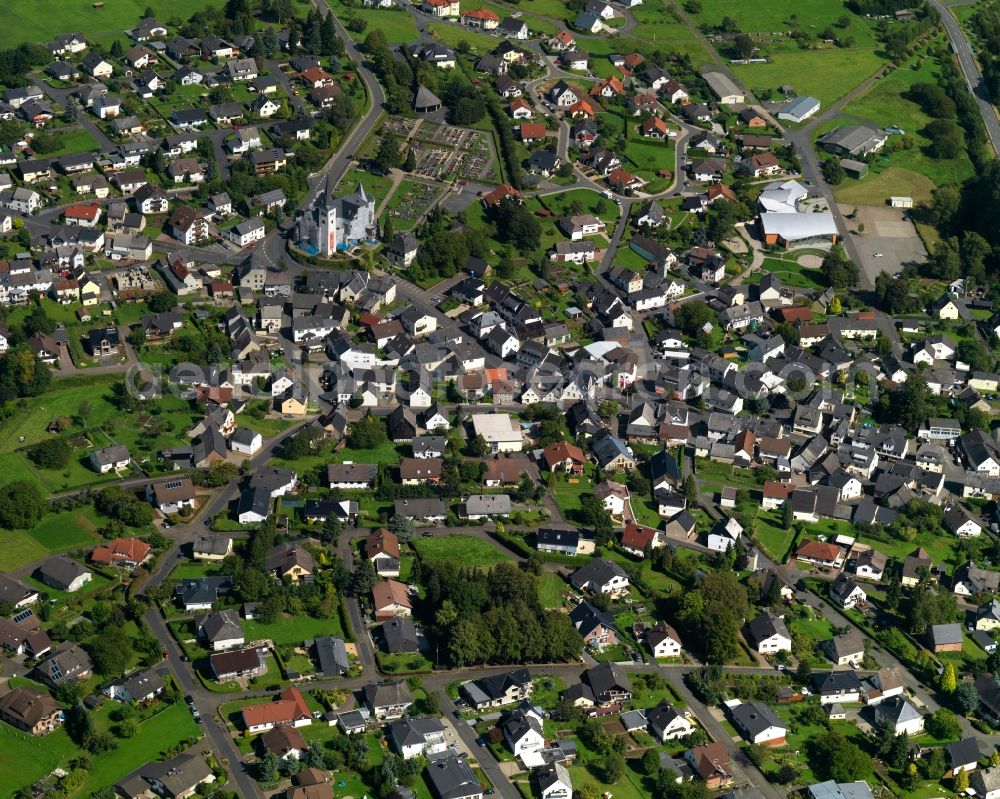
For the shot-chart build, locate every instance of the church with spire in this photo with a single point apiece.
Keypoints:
(337, 224)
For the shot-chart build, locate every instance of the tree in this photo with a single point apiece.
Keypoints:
(908, 405)
(787, 515)
(389, 154)
(478, 446)
(833, 172)
(651, 762)
(614, 767)
(836, 758)
(961, 783)
(368, 433)
(21, 505)
(839, 270)
(124, 506)
(110, 651)
(947, 683)
(403, 527)
(364, 578)
(692, 316)
(388, 230)
(51, 454)
(942, 723)
(38, 321)
(966, 698)
(835, 306)
(742, 46)
(267, 768)
(517, 225)
(946, 138)
(332, 527)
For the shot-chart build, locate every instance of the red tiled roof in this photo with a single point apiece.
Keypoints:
(130, 550)
(289, 707)
(637, 536)
(532, 130)
(481, 13)
(817, 550)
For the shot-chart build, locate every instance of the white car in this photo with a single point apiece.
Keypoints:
(876, 255)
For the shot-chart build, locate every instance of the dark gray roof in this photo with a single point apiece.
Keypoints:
(598, 572)
(332, 656)
(60, 572)
(755, 717)
(452, 777)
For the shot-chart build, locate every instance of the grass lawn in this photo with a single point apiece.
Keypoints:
(41, 20)
(156, 735)
(793, 274)
(814, 629)
(56, 532)
(568, 494)
(294, 629)
(450, 35)
(875, 187)
(648, 157)
(825, 74)
(74, 141)
(591, 201)
(397, 24)
(406, 662)
(386, 452)
(550, 590)
(774, 539)
(25, 758)
(376, 185)
(759, 16)
(462, 549)
(195, 568)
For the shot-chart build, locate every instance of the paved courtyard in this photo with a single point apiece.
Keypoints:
(887, 231)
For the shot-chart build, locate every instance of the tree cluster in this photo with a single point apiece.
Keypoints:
(494, 616)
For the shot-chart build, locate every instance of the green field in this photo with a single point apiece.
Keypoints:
(649, 157)
(658, 27)
(451, 35)
(826, 74)
(24, 758)
(39, 21)
(461, 549)
(591, 201)
(876, 187)
(74, 141)
(396, 23)
(761, 17)
(55, 533)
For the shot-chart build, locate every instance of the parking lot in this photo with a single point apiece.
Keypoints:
(887, 231)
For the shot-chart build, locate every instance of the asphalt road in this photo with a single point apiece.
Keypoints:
(970, 69)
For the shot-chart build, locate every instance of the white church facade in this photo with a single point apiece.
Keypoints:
(336, 224)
